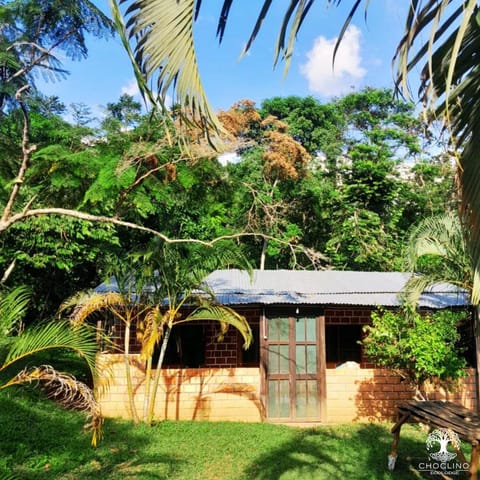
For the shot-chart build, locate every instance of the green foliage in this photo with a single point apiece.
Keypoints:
(13, 305)
(349, 202)
(360, 241)
(353, 204)
(318, 127)
(438, 248)
(54, 335)
(126, 111)
(31, 32)
(420, 347)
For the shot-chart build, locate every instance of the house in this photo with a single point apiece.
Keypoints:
(305, 364)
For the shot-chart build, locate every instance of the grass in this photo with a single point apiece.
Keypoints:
(41, 441)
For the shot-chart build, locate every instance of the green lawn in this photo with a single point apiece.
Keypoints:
(41, 441)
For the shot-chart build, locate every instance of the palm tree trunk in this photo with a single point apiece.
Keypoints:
(148, 383)
(126, 356)
(158, 374)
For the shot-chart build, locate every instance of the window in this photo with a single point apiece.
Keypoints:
(251, 356)
(185, 349)
(342, 344)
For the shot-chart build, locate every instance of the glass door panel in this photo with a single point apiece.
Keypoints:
(278, 359)
(306, 399)
(279, 398)
(292, 368)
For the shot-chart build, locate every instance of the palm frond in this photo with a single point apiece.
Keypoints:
(53, 335)
(226, 316)
(85, 304)
(149, 332)
(443, 237)
(65, 390)
(419, 284)
(161, 32)
(13, 305)
(450, 83)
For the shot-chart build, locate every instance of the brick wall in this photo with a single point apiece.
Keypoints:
(222, 354)
(347, 316)
(360, 394)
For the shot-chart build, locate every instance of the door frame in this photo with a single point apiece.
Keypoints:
(294, 311)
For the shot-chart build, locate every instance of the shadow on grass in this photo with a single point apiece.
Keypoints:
(42, 441)
(358, 451)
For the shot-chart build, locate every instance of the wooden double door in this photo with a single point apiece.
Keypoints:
(294, 362)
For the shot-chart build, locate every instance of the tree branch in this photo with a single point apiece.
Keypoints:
(26, 153)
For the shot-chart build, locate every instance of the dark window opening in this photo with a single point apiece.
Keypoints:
(185, 349)
(342, 344)
(251, 356)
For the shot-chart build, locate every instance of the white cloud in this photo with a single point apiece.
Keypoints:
(131, 88)
(347, 71)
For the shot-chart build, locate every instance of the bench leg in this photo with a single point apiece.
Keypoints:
(392, 457)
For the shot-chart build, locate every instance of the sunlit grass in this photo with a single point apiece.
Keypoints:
(41, 441)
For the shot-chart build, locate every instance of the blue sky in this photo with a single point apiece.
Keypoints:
(364, 58)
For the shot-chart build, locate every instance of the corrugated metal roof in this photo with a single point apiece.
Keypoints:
(327, 287)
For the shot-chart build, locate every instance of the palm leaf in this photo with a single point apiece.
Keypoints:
(149, 332)
(161, 32)
(85, 304)
(442, 237)
(66, 390)
(226, 316)
(50, 336)
(13, 306)
(450, 84)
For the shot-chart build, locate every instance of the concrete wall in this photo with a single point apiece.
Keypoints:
(184, 394)
(353, 393)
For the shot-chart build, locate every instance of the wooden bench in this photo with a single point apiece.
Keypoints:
(465, 423)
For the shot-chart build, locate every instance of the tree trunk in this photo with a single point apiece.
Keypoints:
(158, 374)
(148, 383)
(126, 356)
(263, 255)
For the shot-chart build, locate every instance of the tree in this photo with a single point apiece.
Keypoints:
(162, 48)
(272, 160)
(160, 290)
(319, 128)
(355, 199)
(32, 32)
(81, 114)
(419, 347)
(18, 344)
(125, 113)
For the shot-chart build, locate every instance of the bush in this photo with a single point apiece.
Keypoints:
(419, 347)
